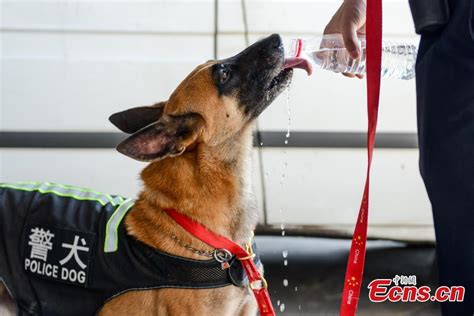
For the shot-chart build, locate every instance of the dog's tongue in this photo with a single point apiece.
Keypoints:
(298, 62)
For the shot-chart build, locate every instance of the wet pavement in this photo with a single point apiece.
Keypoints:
(311, 281)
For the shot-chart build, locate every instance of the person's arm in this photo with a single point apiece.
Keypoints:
(349, 20)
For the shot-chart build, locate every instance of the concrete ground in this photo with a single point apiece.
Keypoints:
(311, 282)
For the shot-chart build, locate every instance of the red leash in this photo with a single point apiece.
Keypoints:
(256, 282)
(355, 263)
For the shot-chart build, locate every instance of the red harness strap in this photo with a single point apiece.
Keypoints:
(355, 263)
(256, 282)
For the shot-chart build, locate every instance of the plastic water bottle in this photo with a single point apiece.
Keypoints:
(328, 52)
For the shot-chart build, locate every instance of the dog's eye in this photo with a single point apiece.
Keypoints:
(224, 74)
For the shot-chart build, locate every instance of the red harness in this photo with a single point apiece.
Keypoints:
(256, 282)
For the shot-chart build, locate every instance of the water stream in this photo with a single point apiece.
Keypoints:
(288, 110)
(282, 178)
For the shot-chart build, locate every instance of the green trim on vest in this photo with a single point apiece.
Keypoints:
(111, 229)
(65, 191)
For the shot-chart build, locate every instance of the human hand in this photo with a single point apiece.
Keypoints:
(349, 20)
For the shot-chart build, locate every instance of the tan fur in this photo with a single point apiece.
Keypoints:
(209, 182)
(7, 305)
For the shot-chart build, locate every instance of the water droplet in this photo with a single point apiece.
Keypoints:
(282, 307)
(261, 143)
(283, 233)
(284, 253)
(299, 307)
(285, 262)
(296, 289)
(285, 282)
(278, 302)
(286, 141)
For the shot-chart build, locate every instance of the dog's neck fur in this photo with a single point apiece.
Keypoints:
(209, 184)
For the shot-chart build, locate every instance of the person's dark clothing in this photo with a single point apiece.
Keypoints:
(445, 100)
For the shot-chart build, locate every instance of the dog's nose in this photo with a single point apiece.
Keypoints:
(275, 41)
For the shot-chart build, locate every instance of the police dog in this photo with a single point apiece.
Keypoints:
(198, 143)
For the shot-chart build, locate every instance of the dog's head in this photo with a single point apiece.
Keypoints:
(212, 105)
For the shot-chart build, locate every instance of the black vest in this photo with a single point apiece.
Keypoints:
(65, 251)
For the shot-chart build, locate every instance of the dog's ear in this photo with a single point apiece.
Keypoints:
(134, 119)
(168, 137)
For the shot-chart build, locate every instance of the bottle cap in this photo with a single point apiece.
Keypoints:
(295, 58)
(295, 48)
